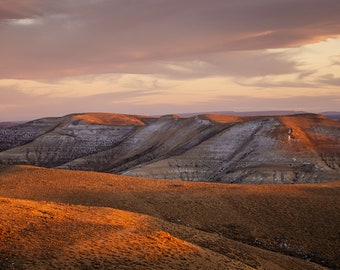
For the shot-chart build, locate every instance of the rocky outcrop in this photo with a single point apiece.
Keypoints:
(274, 149)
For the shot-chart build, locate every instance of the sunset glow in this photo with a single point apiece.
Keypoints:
(158, 57)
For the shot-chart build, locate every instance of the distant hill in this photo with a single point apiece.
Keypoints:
(329, 115)
(332, 115)
(302, 148)
(250, 113)
(11, 123)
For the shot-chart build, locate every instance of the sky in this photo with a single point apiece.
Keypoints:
(155, 57)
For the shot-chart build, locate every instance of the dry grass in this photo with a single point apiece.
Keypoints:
(211, 224)
(47, 235)
(111, 119)
(222, 118)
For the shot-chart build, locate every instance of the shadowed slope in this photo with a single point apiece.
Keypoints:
(166, 136)
(299, 220)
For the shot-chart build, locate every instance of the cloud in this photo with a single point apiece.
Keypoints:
(298, 103)
(274, 83)
(335, 60)
(25, 21)
(165, 56)
(18, 9)
(27, 106)
(239, 64)
(87, 85)
(85, 36)
(330, 79)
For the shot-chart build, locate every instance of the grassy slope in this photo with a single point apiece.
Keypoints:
(48, 235)
(301, 220)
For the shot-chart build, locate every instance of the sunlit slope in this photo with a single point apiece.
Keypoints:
(316, 133)
(298, 220)
(49, 236)
(113, 119)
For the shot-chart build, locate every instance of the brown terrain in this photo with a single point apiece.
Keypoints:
(61, 219)
(111, 119)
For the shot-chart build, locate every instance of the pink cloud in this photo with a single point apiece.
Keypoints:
(84, 36)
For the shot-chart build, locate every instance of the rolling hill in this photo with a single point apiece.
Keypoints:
(53, 218)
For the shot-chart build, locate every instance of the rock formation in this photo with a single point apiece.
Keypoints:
(263, 149)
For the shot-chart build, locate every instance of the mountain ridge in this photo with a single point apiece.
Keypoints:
(211, 147)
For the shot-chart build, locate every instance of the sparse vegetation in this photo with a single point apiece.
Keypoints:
(209, 225)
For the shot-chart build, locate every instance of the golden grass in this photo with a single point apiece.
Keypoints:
(222, 118)
(206, 220)
(111, 119)
(53, 236)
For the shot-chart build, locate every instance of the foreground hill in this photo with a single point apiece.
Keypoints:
(53, 236)
(236, 226)
(231, 149)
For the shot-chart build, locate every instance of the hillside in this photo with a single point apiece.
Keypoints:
(235, 226)
(53, 236)
(275, 149)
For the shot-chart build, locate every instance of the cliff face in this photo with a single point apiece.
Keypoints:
(287, 149)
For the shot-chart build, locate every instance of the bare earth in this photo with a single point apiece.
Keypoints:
(59, 219)
(293, 149)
